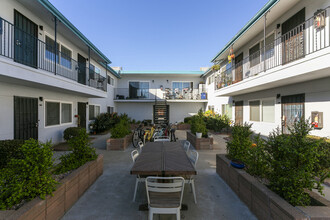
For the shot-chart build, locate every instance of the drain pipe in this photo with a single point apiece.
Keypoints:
(265, 21)
(55, 42)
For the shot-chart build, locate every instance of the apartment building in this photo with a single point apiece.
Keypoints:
(160, 96)
(276, 69)
(51, 75)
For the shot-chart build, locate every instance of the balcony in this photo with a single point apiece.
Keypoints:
(28, 50)
(299, 44)
(150, 95)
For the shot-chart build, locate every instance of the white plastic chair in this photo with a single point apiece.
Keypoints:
(164, 195)
(193, 156)
(186, 146)
(139, 179)
(161, 139)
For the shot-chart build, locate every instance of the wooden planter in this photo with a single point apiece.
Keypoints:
(200, 143)
(72, 187)
(263, 202)
(119, 143)
(184, 126)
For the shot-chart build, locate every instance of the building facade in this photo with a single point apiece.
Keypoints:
(276, 70)
(49, 72)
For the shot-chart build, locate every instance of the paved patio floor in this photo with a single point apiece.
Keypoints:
(110, 197)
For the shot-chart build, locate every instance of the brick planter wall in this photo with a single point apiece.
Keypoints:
(200, 143)
(67, 193)
(184, 126)
(119, 143)
(263, 202)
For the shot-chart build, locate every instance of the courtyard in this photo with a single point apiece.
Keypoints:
(110, 197)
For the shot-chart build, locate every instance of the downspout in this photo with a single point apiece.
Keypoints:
(265, 21)
(55, 42)
(89, 65)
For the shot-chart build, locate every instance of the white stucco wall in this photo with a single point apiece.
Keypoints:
(54, 133)
(317, 98)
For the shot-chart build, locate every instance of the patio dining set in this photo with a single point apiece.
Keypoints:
(164, 168)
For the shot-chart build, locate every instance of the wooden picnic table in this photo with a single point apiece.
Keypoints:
(163, 159)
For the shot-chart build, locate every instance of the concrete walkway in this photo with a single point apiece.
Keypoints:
(110, 197)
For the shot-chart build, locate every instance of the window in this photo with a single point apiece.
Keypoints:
(52, 113)
(138, 89)
(254, 55)
(110, 109)
(50, 50)
(254, 110)
(66, 113)
(94, 111)
(178, 87)
(97, 70)
(111, 81)
(269, 46)
(263, 110)
(268, 110)
(57, 113)
(66, 55)
(227, 110)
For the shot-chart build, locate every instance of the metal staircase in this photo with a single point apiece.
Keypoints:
(161, 112)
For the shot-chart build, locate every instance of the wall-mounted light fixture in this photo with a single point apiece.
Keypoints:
(167, 80)
(278, 96)
(153, 81)
(278, 26)
(41, 27)
(41, 99)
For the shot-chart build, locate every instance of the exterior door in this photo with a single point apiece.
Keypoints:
(25, 118)
(293, 108)
(239, 68)
(293, 37)
(25, 40)
(82, 114)
(81, 69)
(239, 112)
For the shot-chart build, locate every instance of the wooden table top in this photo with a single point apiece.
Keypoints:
(163, 159)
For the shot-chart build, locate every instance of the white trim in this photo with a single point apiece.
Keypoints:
(60, 113)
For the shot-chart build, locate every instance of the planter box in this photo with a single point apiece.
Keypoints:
(65, 195)
(200, 143)
(184, 126)
(263, 202)
(119, 143)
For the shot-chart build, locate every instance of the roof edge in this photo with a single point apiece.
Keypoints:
(252, 21)
(69, 25)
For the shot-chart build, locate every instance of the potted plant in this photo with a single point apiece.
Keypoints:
(198, 126)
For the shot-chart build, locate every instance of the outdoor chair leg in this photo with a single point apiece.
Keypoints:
(136, 186)
(193, 189)
(178, 217)
(151, 215)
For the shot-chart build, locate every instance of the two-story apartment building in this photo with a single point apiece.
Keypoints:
(50, 73)
(160, 96)
(276, 69)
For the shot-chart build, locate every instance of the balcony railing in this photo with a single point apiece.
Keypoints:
(27, 49)
(300, 41)
(158, 94)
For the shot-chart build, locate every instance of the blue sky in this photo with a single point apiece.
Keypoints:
(159, 34)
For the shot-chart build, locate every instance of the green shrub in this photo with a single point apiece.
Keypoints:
(105, 121)
(295, 159)
(188, 119)
(257, 158)
(9, 149)
(217, 122)
(121, 129)
(28, 177)
(240, 143)
(71, 132)
(198, 125)
(82, 152)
